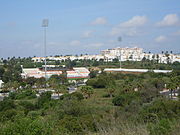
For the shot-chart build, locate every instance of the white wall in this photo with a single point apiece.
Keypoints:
(1, 83)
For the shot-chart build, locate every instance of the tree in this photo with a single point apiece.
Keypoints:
(63, 78)
(93, 73)
(137, 85)
(1, 72)
(157, 56)
(61, 89)
(40, 82)
(6, 87)
(31, 81)
(15, 85)
(171, 86)
(111, 89)
(87, 91)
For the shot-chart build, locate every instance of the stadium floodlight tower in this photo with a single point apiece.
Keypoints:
(120, 39)
(45, 25)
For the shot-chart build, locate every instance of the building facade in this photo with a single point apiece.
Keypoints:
(72, 74)
(123, 54)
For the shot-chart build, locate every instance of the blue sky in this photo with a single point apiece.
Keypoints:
(79, 26)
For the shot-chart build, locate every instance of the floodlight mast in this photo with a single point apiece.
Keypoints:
(120, 39)
(45, 25)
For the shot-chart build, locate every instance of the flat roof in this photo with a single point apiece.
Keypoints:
(135, 70)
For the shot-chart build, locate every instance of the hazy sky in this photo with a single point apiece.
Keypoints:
(88, 26)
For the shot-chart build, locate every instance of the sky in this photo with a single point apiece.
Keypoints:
(88, 26)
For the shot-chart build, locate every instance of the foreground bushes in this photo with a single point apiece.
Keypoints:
(135, 108)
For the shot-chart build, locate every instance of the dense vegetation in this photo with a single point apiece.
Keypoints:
(127, 104)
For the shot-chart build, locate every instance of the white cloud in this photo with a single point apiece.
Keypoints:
(87, 34)
(96, 45)
(169, 20)
(130, 27)
(99, 21)
(75, 43)
(136, 21)
(161, 39)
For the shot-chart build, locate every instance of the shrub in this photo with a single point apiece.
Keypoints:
(77, 95)
(7, 115)
(74, 96)
(28, 106)
(119, 100)
(7, 104)
(43, 99)
(164, 109)
(125, 99)
(71, 124)
(163, 127)
(26, 94)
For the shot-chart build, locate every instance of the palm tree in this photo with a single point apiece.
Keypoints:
(61, 89)
(167, 59)
(15, 85)
(40, 82)
(157, 56)
(53, 82)
(87, 91)
(128, 88)
(137, 85)
(153, 58)
(7, 86)
(111, 89)
(171, 86)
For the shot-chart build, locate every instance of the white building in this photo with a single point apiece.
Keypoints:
(163, 58)
(1, 83)
(75, 73)
(124, 54)
(135, 70)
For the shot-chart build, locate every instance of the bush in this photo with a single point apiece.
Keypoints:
(77, 95)
(101, 81)
(72, 107)
(119, 101)
(26, 126)
(26, 94)
(71, 124)
(44, 99)
(28, 106)
(7, 115)
(13, 95)
(163, 127)
(125, 99)
(74, 96)
(163, 108)
(7, 104)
